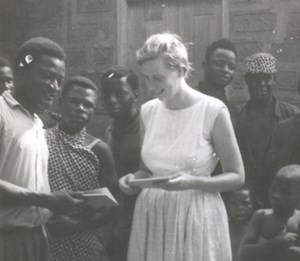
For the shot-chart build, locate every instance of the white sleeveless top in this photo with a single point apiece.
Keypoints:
(180, 140)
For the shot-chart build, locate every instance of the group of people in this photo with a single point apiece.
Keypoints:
(208, 152)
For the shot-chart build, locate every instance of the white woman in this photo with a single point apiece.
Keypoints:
(184, 134)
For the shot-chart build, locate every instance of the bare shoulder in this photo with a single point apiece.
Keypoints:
(260, 214)
(97, 144)
(296, 216)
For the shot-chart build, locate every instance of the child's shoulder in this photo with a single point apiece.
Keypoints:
(260, 214)
(263, 212)
(296, 215)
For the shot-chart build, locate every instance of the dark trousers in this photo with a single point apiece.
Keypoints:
(24, 244)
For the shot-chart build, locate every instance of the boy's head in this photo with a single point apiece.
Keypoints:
(119, 89)
(39, 72)
(78, 102)
(285, 190)
(220, 63)
(6, 76)
(239, 205)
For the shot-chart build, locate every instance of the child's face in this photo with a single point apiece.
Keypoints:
(239, 206)
(6, 79)
(282, 197)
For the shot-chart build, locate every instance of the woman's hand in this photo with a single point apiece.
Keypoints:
(180, 181)
(125, 187)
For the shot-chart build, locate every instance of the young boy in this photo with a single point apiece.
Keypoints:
(239, 208)
(6, 76)
(119, 95)
(273, 234)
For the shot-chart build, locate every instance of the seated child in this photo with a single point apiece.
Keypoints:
(6, 76)
(274, 234)
(239, 206)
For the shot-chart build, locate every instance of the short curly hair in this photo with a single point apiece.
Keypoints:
(118, 72)
(36, 47)
(79, 81)
(170, 46)
(223, 43)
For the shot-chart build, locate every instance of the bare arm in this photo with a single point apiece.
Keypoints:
(108, 175)
(59, 202)
(251, 250)
(226, 147)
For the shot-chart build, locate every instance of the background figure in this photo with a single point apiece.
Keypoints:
(78, 162)
(6, 76)
(239, 208)
(119, 95)
(25, 199)
(257, 120)
(273, 234)
(285, 146)
(219, 69)
(184, 218)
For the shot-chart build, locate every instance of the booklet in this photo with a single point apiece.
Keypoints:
(148, 182)
(98, 198)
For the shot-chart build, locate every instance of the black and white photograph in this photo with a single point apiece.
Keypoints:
(149, 130)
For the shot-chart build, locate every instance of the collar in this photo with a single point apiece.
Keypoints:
(77, 138)
(10, 100)
(13, 103)
(274, 103)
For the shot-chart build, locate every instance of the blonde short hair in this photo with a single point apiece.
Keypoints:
(168, 45)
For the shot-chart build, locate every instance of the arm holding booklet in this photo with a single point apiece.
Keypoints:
(98, 209)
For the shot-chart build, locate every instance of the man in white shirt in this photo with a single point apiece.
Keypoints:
(25, 199)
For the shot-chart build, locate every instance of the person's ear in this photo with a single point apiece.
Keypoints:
(182, 71)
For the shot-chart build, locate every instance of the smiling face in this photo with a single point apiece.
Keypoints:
(6, 79)
(220, 68)
(260, 86)
(162, 81)
(239, 206)
(39, 84)
(118, 97)
(77, 107)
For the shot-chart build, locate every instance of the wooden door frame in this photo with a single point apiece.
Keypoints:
(122, 9)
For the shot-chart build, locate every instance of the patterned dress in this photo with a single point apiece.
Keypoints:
(189, 225)
(73, 166)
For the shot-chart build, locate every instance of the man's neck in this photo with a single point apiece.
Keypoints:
(32, 108)
(214, 88)
(65, 128)
(126, 119)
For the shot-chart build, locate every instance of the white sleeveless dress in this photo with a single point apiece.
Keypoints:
(188, 225)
